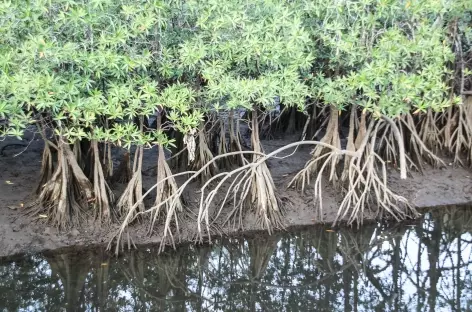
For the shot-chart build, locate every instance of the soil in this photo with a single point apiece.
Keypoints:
(19, 172)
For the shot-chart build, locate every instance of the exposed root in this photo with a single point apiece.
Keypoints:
(107, 161)
(458, 134)
(82, 151)
(362, 187)
(257, 188)
(235, 139)
(291, 127)
(270, 123)
(315, 128)
(321, 155)
(429, 131)
(46, 167)
(180, 153)
(103, 195)
(395, 134)
(67, 193)
(123, 173)
(367, 187)
(166, 189)
(351, 145)
(253, 186)
(417, 148)
(261, 187)
(203, 155)
(223, 145)
(173, 201)
(133, 194)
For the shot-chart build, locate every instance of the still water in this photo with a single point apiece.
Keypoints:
(420, 266)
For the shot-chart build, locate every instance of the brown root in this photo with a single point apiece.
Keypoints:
(416, 151)
(387, 145)
(103, 195)
(367, 186)
(223, 145)
(173, 201)
(260, 189)
(429, 131)
(351, 145)
(235, 139)
(107, 162)
(203, 155)
(180, 152)
(167, 187)
(320, 156)
(46, 167)
(67, 193)
(252, 187)
(165, 190)
(123, 173)
(458, 133)
(417, 147)
(291, 127)
(363, 179)
(133, 194)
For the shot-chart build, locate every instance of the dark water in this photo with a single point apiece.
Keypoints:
(424, 266)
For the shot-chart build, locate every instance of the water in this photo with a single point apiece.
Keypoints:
(420, 266)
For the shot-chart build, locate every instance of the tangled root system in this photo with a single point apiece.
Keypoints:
(68, 192)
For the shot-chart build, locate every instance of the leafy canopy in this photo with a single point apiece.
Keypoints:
(88, 68)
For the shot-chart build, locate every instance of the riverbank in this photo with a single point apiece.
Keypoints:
(20, 168)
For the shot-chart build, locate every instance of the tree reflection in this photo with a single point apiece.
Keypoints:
(422, 266)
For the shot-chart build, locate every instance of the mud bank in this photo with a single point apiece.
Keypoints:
(20, 166)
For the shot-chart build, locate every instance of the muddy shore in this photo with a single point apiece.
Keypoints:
(20, 166)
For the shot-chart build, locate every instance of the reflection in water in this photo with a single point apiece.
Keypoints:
(420, 267)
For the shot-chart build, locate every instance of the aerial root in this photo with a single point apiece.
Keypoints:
(123, 173)
(235, 139)
(367, 187)
(240, 185)
(103, 195)
(203, 155)
(260, 191)
(222, 145)
(253, 187)
(323, 156)
(134, 190)
(166, 189)
(46, 167)
(458, 133)
(418, 148)
(364, 177)
(67, 193)
(429, 131)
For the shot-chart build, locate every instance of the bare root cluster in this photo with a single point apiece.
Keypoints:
(363, 182)
(367, 187)
(166, 188)
(67, 192)
(457, 133)
(354, 162)
(324, 159)
(134, 190)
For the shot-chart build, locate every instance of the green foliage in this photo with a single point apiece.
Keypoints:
(249, 52)
(389, 57)
(90, 67)
(80, 63)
